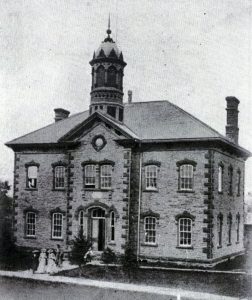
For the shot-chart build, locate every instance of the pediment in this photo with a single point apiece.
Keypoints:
(79, 132)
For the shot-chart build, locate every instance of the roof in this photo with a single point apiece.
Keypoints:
(155, 120)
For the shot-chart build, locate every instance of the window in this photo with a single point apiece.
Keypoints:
(219, 229)
(120, 114)
(106, 176)
(238, 188)
(30, 224)
(150, 230)
(57, 225)
(111, 76)
(32, 175)
(220, 179)
(59, 177)
(90, 176)
(237, 223)
(151, 177)
(111, 110)
(185, 232)
(112, 226)
(186, 177)
(229, 223)
(230, 180)
(81, 220)
(100, 76)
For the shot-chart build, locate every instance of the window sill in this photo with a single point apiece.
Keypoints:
(58, 190)
(185, 248)
(30, 237)
(219, 247)
(149, 245)
(230, 244)
(97, 190)
(185, 191)
(112, 243)
(31, 189)
(150, 191)
(56, 239)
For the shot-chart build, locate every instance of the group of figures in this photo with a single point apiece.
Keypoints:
(47, 260)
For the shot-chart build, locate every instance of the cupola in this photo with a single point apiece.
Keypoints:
(107, 79)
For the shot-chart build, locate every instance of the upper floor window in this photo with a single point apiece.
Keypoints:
(186, 177)
(98, 175)
(57, 225)
(32, 177)
(59, 177)
(151, 177)
(106, 176)
(238, 187)
(90, 176)
(219, 229)
(150, 230)
(230, 180)
(220, 178)
(185, 232)
(30, 224)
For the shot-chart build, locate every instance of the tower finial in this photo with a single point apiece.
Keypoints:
(108, 30)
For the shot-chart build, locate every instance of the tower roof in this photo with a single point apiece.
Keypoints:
(108, 47)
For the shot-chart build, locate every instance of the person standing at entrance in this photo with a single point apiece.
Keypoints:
(59, 255)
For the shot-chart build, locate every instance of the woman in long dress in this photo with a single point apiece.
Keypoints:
(42, 261)
(51, 263)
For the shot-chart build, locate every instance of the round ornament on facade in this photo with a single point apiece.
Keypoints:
(99, 142)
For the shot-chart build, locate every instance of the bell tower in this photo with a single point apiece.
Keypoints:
(107, 79)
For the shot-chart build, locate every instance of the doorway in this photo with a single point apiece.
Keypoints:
(98, 229)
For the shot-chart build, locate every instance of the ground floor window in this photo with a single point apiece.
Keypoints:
(219, 229)
(81, 221)
(57, 225)
(185, 232)
(150, 230)
(30, 225)
(112, 226)
(238, 228)
(229, 223)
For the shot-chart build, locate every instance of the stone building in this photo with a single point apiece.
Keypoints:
(147, 173)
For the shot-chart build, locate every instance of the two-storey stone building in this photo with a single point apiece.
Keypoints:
(147, 173)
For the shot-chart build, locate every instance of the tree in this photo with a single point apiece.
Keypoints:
(80, 247)
(129, 261)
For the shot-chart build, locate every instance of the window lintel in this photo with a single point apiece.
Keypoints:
(32, 164)
(59, 163)
(186, 162)
(185, 214)
(57, 210)
(152, 163)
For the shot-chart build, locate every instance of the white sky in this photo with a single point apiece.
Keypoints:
(193, 53)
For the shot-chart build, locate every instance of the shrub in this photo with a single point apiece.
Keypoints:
(108, 256)
(80, 246)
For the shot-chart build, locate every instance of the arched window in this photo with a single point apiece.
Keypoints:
(100, 76)
(220, 178)
(112, 226)
(185, 232)
(111, 76)
(230, 180)
(120, 79)
(57, 225)
(186, 177)
(229, 223)
(59, 177)
(237, 223)
(30, 224)
(81, 220)
(150, 230)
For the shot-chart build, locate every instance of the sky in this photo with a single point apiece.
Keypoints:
(193, 53)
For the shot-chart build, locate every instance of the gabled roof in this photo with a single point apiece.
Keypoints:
(145, 121)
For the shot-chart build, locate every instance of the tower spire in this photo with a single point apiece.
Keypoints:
(109, 30)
